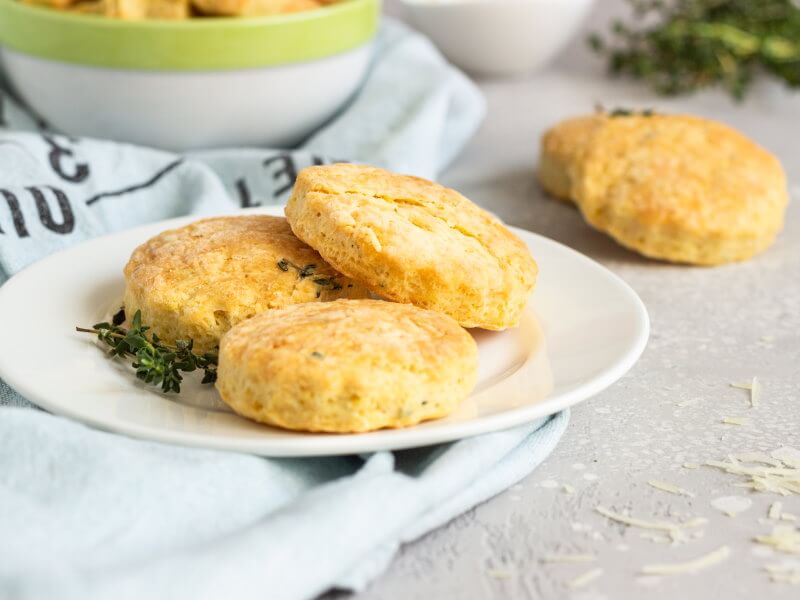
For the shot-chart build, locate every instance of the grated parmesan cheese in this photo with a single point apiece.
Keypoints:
(669, 488)
(734, 421)
(742, 386)
(731, 505)
(785, 538)
(658, 525)
(688, 465)
(693, 566)
(781, 477)
(499, 574)
(567, 489)
(758, 457)
(775, 511)
(568, 558)
(755, 393)
(583, 580)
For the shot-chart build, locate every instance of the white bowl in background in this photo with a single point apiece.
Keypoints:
(186, 110)
(498, 37)
(192, 84)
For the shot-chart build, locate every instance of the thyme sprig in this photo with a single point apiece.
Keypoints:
(155, 362)
(330, 283)
(680, 46)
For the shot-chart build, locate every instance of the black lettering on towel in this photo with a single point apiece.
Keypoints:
(62, 161)
(137, 187)
(67, 222)
(287, 169)
(245, 198)
(16, 214)
(64, 225)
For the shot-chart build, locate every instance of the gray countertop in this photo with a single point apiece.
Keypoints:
(710, 327)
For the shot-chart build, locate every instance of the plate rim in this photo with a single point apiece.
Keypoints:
(352, 443)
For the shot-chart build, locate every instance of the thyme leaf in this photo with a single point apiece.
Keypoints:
(330, 283)
(154, 362)
(681, 46)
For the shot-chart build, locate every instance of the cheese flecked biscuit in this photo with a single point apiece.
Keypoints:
(198, 281)
(672, 187)
(411, 240)
(346, 366)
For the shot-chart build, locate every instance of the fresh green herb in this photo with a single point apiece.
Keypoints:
(627, 112)
(680, 46)
(307, 271)
(155, 362)
(318, 355)
(285, 264)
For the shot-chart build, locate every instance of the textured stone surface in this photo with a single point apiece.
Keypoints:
(710, 327)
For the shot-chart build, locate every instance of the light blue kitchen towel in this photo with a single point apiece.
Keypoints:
(91, 515)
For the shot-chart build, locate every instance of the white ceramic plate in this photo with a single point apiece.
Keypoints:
(583, 329)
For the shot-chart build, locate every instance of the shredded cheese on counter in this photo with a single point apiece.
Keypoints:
(499, 573)
(693, 566)
(583, 580)
(669, 488)
(784, 538)
(755, 393)
(658, 525)
(781, 475)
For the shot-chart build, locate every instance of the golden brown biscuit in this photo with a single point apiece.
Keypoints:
(673, 187)
(123, 9)
(346, 366)
(202, 279)
(412, 240)
(253, 8)
(563, 152)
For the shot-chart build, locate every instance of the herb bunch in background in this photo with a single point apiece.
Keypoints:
(680, 46)
(156, 363)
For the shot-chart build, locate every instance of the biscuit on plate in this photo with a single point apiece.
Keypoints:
(346, 366)
(412, 240)
(200, 280)
(672, 187)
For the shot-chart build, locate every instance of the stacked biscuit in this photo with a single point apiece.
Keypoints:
(671, 187)
(349, 314)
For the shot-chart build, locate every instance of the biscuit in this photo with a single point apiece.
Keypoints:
(254, 8)
(563, 152)
(346, 366)
(414, 241)
(671, 187)
(198, 281)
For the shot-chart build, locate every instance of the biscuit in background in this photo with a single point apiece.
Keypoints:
(125, 9)
(198, 281)
(253, 8)
(411, 240)
(346, 366)
(672, 187)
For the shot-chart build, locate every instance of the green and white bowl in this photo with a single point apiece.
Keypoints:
(192, 84)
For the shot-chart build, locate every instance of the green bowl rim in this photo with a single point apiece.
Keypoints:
(207, 43)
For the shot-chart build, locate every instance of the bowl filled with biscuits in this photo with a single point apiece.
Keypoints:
(187, 74)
